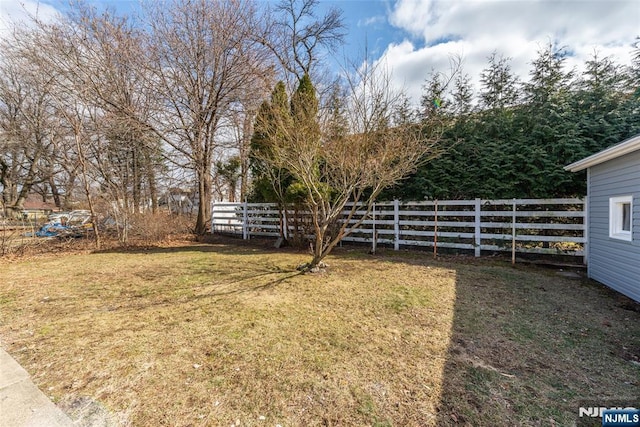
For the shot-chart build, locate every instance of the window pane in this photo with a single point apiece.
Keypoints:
(626, 216)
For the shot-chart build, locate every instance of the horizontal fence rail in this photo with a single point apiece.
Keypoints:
(542, 226)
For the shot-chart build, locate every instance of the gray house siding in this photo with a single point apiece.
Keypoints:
(614, 262)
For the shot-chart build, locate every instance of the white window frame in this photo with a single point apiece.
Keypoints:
(615, 218)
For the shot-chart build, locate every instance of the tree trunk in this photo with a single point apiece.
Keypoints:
(205, 184)
(55, 193)
(318, 253)
(68, 191)
(87, 191)
(9, 194)
(28, 182)
(245, 147)
(232, 192)
(153, 189)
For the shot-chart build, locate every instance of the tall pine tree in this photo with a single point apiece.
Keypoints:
(550, 129)
(270, 180)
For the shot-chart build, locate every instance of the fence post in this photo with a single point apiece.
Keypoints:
(245, 220)
(585, 231)
(374, 237)
(285, 223)
(396, 225)
(435, 228)
(513, 235)
(477, 240)
(213, 214)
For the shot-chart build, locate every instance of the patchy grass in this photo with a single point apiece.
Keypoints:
(221, 334)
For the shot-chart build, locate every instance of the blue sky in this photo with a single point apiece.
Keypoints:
(413, 37)
(367, 25)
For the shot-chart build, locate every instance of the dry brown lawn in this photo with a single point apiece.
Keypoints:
(223, 334)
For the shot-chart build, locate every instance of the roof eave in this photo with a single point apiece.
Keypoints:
(625, 147)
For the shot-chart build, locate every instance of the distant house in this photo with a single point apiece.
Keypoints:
(179, 201)
(613, 216)
(35, 209)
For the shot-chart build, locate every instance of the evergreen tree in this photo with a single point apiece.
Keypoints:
(463, 95)
(229, 172)
(304, 132)
(599, 105)
(446, 112)
(499, 84)
(550, 134)
(497, 132)
(336, 125)
(633, 98)
(518, 142)
(434, 100)
(270, 180)
(634, 70)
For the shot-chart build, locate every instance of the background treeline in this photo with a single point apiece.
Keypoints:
(513, 138)
(129, 115)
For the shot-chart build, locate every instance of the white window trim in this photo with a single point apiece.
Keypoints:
(615, 218)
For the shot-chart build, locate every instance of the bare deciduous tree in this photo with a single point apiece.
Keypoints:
(29, 130)
(360, 149)
(103, 52)
(296, 36)
(205, 55)
(96, 93)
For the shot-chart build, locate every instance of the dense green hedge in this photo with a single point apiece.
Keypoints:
(518, 137)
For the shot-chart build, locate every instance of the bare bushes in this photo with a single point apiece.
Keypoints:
(146, 229)
(150, 228)
(10, 241)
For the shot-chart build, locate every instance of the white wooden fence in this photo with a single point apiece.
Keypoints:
(544, 226)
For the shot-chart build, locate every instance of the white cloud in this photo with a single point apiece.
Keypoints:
(516, 29)
(373, 20)
(21, 12)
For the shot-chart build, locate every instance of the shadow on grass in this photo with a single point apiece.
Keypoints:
(217, 244)
(194, 247)
(529, 347)
(244, 284)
